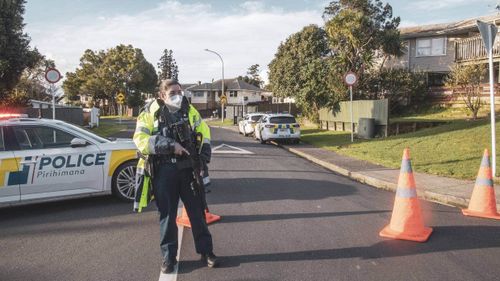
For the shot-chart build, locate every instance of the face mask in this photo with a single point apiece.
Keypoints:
(174, 103)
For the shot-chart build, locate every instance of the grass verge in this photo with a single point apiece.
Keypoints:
(108, 129)
(453, 150)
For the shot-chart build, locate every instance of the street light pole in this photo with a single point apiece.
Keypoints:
(222, 61)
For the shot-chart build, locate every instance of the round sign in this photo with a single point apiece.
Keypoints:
(52, 75)
(350, 78)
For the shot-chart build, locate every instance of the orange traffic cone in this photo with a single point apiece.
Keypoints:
(406, 221)
(483, 201)
(184, 219)
(210, 218)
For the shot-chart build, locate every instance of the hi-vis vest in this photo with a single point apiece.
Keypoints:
(146, 129)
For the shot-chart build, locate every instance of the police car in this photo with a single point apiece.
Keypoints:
(46, 160)
(276, 127)
(247, 125)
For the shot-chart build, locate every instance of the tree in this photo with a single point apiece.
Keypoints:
(253, 76)
(15, 53)
(465, 81)
(359, 32)
(32, 83)
(168, 66)
(104, 74)
(301, 69)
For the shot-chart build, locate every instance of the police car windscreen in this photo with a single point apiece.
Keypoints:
(256, 118)
(282, 120)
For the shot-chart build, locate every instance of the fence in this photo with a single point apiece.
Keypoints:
(68, 114)
(341, 119)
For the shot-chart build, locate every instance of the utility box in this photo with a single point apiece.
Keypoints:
(94, 117)
(366, 128)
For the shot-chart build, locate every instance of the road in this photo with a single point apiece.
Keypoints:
(283, 218)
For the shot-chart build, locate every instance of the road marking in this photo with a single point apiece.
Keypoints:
(229, 149)
(173, 276)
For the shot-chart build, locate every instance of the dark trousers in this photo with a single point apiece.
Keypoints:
(168, 185)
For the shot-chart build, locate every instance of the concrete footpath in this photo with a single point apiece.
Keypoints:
(439, 189)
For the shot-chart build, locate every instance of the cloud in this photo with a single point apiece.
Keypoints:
(249, 34)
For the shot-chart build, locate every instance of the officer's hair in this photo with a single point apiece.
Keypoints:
(167, 83)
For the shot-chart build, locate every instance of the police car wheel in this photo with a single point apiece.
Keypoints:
(123, 183)
(262, 141)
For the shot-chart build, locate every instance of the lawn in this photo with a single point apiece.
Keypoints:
(452, 150)
(107, 129)
(117, 117)
(442, 114)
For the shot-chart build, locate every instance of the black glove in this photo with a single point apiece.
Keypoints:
(206, 153)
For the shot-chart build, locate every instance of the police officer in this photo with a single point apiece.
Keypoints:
(172, 179)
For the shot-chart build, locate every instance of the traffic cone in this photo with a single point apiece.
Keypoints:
(406, 221)
(483, 201)
(210, 218)
(184, 218)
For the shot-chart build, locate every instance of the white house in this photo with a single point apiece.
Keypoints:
(206, 96)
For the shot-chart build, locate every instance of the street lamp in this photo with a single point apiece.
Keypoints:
(222, 61)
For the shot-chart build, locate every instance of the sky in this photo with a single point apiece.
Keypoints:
(242, 32)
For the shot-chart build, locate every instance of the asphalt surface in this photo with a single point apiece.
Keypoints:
(283, 218)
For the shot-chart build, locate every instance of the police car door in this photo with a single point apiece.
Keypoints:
(9, 172)
(57, 168)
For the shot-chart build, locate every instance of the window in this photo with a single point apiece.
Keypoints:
(199, 94)
(282, 120)
(431, 47)
(233, 94)
(32, 137)
(256, 117)
(436, 79)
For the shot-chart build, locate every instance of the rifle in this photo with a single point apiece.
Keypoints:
(192, 142)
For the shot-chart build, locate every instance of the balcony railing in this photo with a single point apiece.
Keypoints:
(472, 49)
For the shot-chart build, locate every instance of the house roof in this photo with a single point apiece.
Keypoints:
(232, 84)
(188, 85)
(201, 87)
(458, 27)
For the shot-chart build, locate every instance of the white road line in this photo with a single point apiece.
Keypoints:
(173, 276)
(233, 150)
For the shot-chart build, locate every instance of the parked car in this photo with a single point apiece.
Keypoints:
(247, 125)
(46, 160)
(277, 127)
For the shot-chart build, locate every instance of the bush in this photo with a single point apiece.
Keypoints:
(12, 101)
(465, 80)
(407, 91)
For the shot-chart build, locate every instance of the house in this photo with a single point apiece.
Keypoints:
(434, 49)
(206, 96)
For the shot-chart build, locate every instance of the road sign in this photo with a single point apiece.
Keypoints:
(350, 78)
(488, 33)
(120, 98)
(52, 75)
(223, 99)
